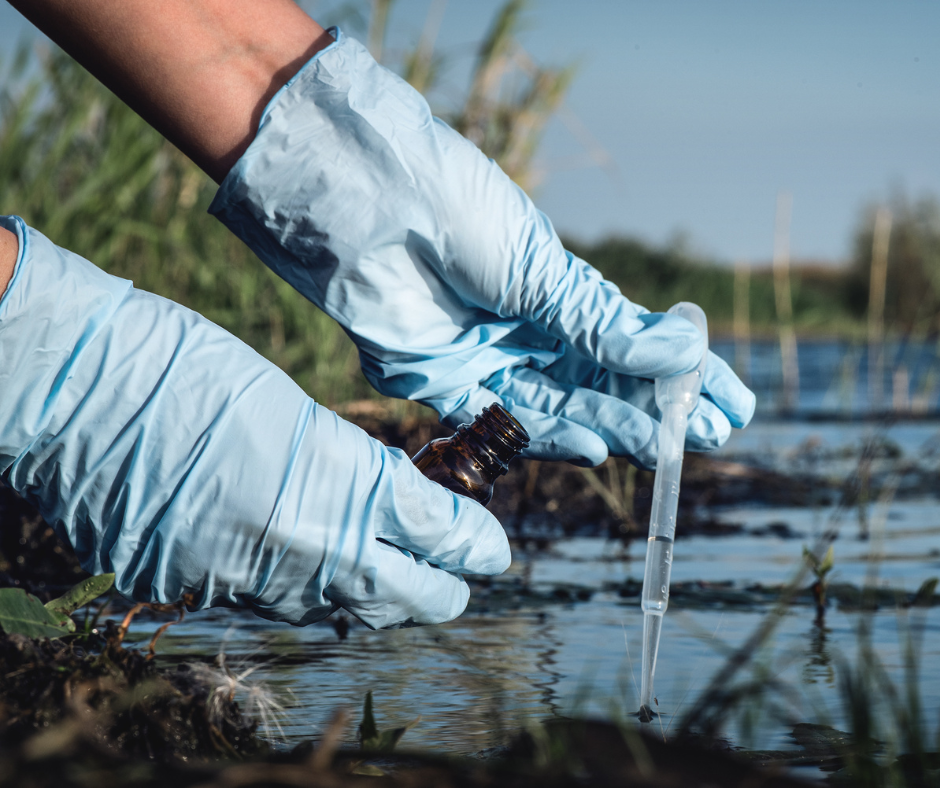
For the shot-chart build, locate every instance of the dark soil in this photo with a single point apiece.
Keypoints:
(562, 753)
(540, 501)
(32, 557)
(117, 696)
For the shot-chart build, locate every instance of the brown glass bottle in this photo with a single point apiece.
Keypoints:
(474, 457)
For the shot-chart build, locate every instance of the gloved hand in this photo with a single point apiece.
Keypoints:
(456, 290)
(170, 453)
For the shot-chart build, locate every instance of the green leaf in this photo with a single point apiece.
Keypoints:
(386, 740)
(823, 567)
(367, 729)
(371, 739)
(81, 594)
(23, 614)
(924, 595)
(367, 770)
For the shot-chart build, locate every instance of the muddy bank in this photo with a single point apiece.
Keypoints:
(55, 694)
(560, 753)
(728, 595)
(540, 501)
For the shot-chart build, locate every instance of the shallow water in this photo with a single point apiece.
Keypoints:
(834, 376)
(477, 679)
(572, 645)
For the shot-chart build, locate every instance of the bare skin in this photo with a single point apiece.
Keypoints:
(8, 251)
(199, 71)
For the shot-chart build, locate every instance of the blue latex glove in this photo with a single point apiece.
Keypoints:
(455, 288)
(168, 452)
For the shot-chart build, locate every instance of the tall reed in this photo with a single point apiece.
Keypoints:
(86, 171)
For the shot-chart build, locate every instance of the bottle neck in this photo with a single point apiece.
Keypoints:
(494, 438)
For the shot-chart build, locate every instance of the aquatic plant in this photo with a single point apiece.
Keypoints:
(373, 740)
(23, 614)
(820, 567)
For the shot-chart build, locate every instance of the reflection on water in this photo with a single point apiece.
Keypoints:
(818, 666)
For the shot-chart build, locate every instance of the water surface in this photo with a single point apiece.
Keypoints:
(571, 643)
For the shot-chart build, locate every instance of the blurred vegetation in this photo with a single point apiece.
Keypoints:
(510, 97)
(828, 300)
(86, 171)
(658, 278)
(504, 114)
(912, 302)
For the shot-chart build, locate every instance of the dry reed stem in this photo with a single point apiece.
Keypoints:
(176, 607)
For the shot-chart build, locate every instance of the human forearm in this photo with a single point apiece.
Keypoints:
(199, 71)
(8, 248)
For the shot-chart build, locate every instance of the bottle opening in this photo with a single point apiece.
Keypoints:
(497, 436)
(505, 426)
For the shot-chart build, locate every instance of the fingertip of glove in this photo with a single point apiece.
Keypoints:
(400, 590)
(745, 412)
(646, 456)
(447, 609)
(459, 599)
(556, 439)
(727, 391)
(740, 408)
(449, 605)
(708, 428)
(684, 344)
(491, 554)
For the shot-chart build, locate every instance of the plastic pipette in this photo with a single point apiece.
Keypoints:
(676, 397)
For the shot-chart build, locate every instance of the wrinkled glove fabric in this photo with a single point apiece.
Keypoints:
(455, 288)
(168, 452)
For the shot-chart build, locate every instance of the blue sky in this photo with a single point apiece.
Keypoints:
(708, 109)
